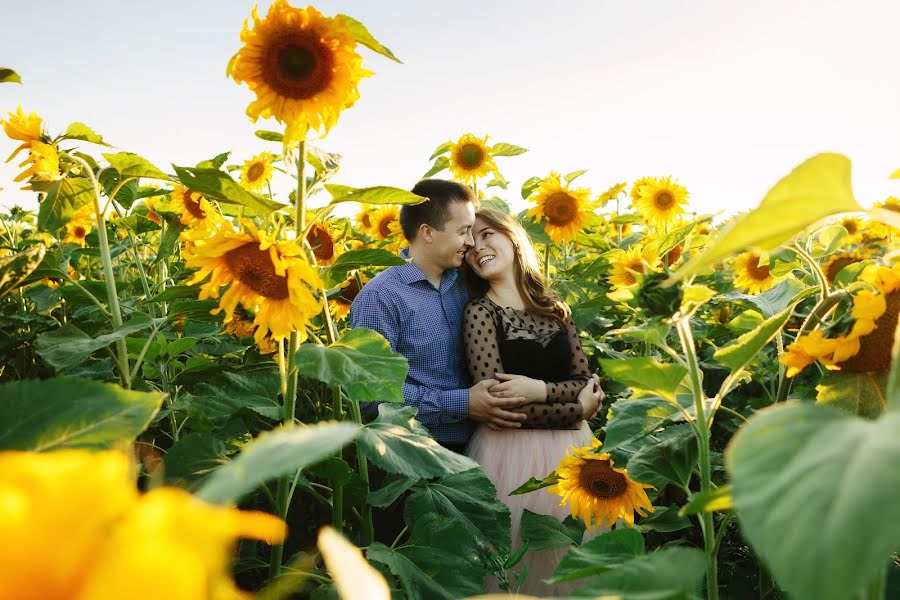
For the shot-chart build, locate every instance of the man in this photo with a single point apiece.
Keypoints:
(418, 308)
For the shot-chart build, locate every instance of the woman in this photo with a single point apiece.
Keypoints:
(518, 332)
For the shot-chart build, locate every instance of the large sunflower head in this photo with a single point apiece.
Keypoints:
(302, 66)
(598, 492)
(385, 222)
(257, 171)
(267, 276)
(471, 158)
(751, 272)
(565, 210)
(661, 201)
(194, 209)
(630, 265)
(876, 321)
(323, 239)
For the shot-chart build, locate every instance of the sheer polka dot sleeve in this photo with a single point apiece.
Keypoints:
(567, 391)
(480, 341)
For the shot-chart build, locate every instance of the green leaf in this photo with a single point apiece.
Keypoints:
(440, 548)
(215, 162)
(817, 188)
(599, 554)
(129, 164)
(9, 76)
(678, 572)
(67, 412)
(544, 532)
(269, 136)
(502, 149)
(80, 131)
(711, 501)
(69, 346)
(645, 373)
(664, 520)
(372, 195)
(234, 392)
(193, 457)
(534, 484)
(361, 361)
(440, 150)
(16, 268)
(137, 224)
(667, 242)
(669, 460)
(741, 351)
(397, 443)
(362, 36)
(776, 298)
(363, 257)
(415, 582)
(218, 185)
(570, 177)
(439, 165)
(814, 490)
(63, 197)
(467, 498)
(529, 186)
(170, 238)
(275, 453)
(174, 293)
(635, 418)
(862, 394)
(391, 491)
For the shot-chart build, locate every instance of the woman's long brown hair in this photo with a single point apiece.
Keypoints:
(529, 280)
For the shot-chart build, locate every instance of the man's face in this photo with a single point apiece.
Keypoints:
(448, 247)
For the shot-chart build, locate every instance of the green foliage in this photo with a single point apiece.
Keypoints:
(633, 420)
(218, 185)
(812, 490)
(713, 500)
(67, 412)
(646, 374)
(9, 76)
(860, 394)
(439, 165)
(503, 149)
(372, 195)
(364, 38)
(129, 164)
(667, 574)
(737, 354)
(544, 532)
(600, 554)
(656, 300)
(355, 259)
(669, 460)
(80, 131)
(63, 197)
(69, 346)
(16, 268)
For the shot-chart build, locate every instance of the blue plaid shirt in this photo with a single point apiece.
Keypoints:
(424, 325)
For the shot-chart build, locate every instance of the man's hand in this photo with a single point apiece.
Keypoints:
(533, 390)
(492, 410)
(590, 397)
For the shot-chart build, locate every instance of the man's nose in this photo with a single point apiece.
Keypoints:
(470, 240)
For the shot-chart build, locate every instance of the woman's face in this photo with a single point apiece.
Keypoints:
(493, 254)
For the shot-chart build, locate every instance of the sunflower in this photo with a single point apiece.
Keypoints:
(636, 187)
(196, 211)
(564, 209)
(80, 225)
(891, 203)
(837, 262)
(23, 128)
(471, 158)
(340, 305)
(660, 201)
(386, 227)
(44, 164)
(751, 274)
(364, 218)
(612, 193)
(323, 239)
(630, 264)
(267, 276)
(302, 66)
(599, 493)
(257, 171)
(873, 352)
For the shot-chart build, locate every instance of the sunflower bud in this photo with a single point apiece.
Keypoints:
(656, 300)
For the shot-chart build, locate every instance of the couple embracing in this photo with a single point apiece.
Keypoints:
(496, 369)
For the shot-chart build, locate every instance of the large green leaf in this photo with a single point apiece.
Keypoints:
(711, 501)
(16, 268)
(363, 37)
(599, 554)
(645, 373)
(439, 165)
(860, 394)
(68, 412)
(361, 361)
(776, 298)
(440, 150)
(193, 457)
(232, 393)
(815, 491)
(9, 76)
(817, 188)
(673, 573)
(467, 498)
(397, 443)
(80, 131)
(503, 149)
(741, 351)
(273, 454)
(634, 419)
(545, 532)
(129, 164)
(415, 582)
(363, 257)
(218, 185)
(63, 197)
(69, 346)
(672, 459)
(372, 195)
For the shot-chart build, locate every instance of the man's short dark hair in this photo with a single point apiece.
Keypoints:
(435, 211)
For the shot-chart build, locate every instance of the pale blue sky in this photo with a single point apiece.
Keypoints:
(726, 96)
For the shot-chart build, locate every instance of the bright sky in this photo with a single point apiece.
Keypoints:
(727, 96)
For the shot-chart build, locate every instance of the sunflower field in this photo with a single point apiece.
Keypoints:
(180, 387)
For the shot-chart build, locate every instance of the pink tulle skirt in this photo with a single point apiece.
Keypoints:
(509, 457)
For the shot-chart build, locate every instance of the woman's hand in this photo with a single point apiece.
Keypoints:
(590, 398)
(533, 390)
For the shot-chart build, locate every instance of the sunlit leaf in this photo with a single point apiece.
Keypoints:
(63, 197)
(711, 501)
(350, 572)
(440, 150)
(269, 136)
(9, 76)
(132, 165)
(80, 131)
(502, 149)
(741, 351)
(16, 268)
(600, 554)
(860, 394)
(439, 165)
(645, 373)
(372, 195)
(69, 346)
(362, 36)
(218, 185)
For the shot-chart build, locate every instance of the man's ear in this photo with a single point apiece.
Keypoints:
(426, 232)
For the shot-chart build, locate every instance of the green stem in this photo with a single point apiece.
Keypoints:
(706, 521)
(108, 274)
(893, 382)
(876, 588)
(547, 264)
(368, 530)
(817, 270)
(92, 297)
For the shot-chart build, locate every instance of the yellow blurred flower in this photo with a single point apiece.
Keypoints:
(43, 164)
(340, 305)
(874, 352)
(195, 210)
(353, 576)
(302, 66)
(612, 193)
(660, 201)
(257, 171)
(597, 491)
(364, 218)
(630, 264)
(80, 225)
(471, 158)
(635, 192)
(806, 350)
(751, 272)
(836, 262)
(270, 277)
(565, 210)
(23, 128)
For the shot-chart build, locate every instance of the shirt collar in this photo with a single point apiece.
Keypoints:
(410, 273)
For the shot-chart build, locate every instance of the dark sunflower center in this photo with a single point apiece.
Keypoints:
(255, 171)
(850, 226)
(79, 232)
(560, 208)
(757, 271)
(470, 156)
(600, 480)
(384, 226)
(253, 267)
(366, 221)
(634, 267)
(192, 205)
(835, 267)
(664, 200)
(350, 291)
(321, 242)
(873, 355)
(891, 206)
(298, 65)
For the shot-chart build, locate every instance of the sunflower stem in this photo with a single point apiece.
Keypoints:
(547, 264)
(108, 274)
(368, 530)
(893, 382)
(817, 270)
(706, 519)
